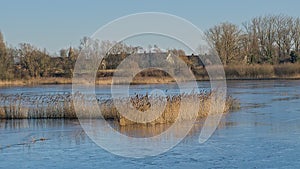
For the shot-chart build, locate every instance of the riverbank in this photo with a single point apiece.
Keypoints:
(99, 81)
(233, 72)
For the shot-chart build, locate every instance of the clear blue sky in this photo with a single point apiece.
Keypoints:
(54, 24)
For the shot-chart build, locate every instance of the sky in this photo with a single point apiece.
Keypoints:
(56, 24)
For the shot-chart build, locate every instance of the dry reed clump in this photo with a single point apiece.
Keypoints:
(249, 71)
(265, 71)
(287, 69)
(37, 107)
(34, 81)
(61, 106)
(184, 103)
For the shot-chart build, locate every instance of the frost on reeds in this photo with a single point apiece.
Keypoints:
(62, 106)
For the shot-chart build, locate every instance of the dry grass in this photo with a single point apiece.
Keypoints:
(287, 70)
(36, 81)
(99, 81)
(136, 80)
(104, 77)
(266, 71)
(179, 103)
(249, 71)
(256, 71)
(28, 107)
(61, 106)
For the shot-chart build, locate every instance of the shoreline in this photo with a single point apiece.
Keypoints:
(139, 81)
(66, 81)
(152, 76)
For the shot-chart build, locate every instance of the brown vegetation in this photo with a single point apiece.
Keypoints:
(173, 107)
(232, 72)
(61, 106)
(266, 71)
(256, 72)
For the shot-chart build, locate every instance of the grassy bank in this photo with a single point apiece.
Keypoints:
(36, 81)
(61, 106)
(282, 71)
(256, 72)
(233, 72)
(99, 81)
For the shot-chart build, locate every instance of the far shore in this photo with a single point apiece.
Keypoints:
(153, 76)
(138, 81)
(99, 81)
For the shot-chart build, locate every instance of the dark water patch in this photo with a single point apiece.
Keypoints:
(297, 97)
(254, 106)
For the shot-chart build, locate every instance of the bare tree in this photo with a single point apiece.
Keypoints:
(283, 37)
(296, 34)
(34, 61)
(253, 52)
(226, 39)
(6, 61)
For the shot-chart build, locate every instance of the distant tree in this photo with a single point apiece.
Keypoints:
(34, 62)
(2, 46)
(252, 43)
(69, 62)
(6, 61)
(266, 34)
(296, 34)
(283, 36)
(271, 38)
(226, 39)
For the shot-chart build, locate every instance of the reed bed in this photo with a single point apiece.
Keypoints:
(183, 103)
(62, 106)
(265, 71)
(36, 107)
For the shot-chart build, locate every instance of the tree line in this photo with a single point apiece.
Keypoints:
(270, 39)
(27, 61)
